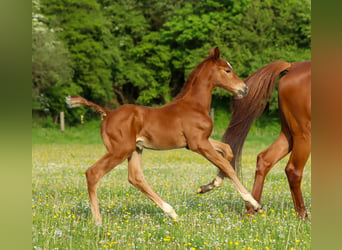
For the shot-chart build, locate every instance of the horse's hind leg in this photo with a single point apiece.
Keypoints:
(226, 152)
(95, 173)
(294, 172)
(136, 178)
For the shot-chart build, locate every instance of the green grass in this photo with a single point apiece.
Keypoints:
(61, 217)
(87, 133)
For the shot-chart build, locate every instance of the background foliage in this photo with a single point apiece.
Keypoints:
(139, 51)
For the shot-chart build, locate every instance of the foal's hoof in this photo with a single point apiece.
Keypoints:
(249, 213)
(176, 220)
(98, 221)
(204, 189)
(259, 210)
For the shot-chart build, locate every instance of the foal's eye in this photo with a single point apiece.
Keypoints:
(227, 70)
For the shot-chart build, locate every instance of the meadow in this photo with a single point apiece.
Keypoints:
(61, 216)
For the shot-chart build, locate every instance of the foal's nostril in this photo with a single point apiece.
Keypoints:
(244, 91)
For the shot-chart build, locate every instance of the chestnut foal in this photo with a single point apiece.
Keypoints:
(182, 123)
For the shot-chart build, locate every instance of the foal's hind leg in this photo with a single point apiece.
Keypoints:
(226, 152)
(136, 178)
(95, 173)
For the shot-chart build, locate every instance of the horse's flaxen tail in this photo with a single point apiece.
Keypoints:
(75, 101)
(246, 110)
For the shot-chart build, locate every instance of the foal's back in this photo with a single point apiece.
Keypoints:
(149, 127)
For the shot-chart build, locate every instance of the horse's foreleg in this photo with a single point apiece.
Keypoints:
(205, 148)
(136, 178)
(226, 152)
(94, 174)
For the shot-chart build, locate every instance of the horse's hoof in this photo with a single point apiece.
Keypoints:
(303, 216)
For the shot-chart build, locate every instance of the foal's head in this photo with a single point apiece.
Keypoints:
(222, 75)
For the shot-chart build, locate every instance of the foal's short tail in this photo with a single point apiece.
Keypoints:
(75, 101)
(246, 110)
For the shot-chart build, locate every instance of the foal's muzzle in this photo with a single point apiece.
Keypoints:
(242, 93)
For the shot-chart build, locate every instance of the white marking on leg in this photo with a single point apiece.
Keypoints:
(218, 181)
(169, 210)
(249, 198)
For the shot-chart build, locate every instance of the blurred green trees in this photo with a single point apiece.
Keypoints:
(139, 51)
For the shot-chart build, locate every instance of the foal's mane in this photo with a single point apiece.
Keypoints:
(193, 77)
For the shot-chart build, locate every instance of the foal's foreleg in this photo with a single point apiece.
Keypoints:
(226, 152)
(205, 148)
(136, 178)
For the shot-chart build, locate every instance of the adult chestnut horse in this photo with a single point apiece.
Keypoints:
(184, 122)
(294, 96)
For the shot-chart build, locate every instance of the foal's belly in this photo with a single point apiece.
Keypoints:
(160, 129)
(163, 142)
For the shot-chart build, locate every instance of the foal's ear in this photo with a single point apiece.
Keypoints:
(215, 53)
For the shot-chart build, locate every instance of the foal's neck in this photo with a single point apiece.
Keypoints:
(198, 88)
(199, 95)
